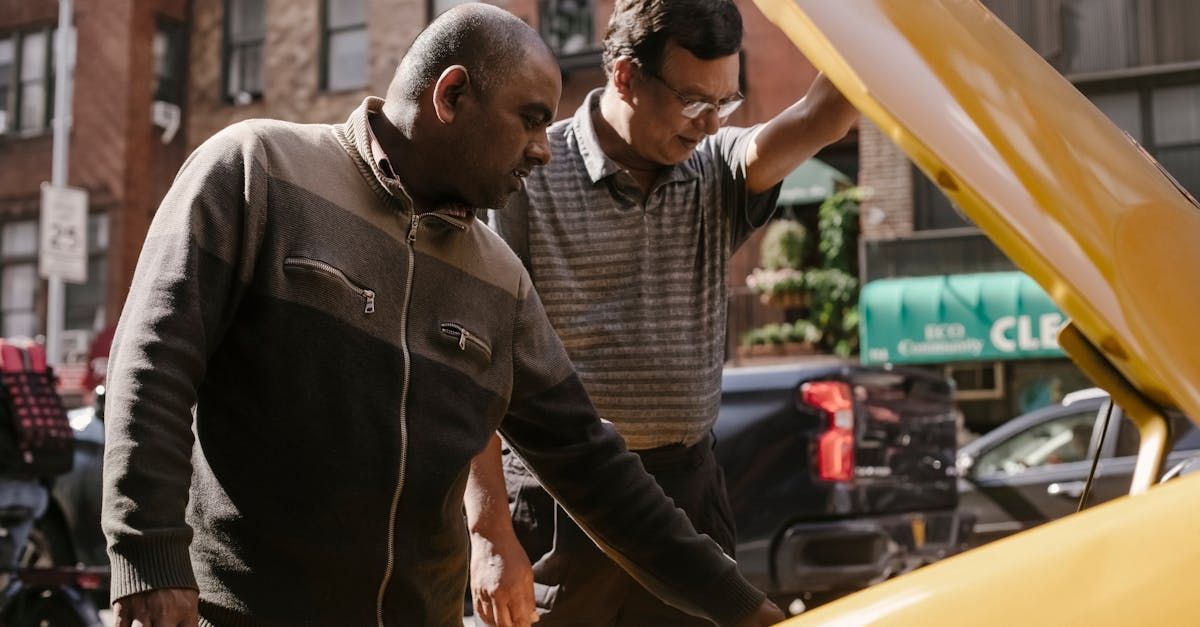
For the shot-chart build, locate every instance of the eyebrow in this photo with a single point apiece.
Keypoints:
(694, 94)
(539, 109)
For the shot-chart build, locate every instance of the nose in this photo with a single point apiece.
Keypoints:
(709, 121)
(538, 150)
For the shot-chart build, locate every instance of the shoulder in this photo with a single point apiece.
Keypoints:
(497, 263)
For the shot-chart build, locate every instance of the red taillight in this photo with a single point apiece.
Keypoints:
(89, 581)
(835, 447)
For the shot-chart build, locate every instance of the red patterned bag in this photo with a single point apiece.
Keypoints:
(36, 439)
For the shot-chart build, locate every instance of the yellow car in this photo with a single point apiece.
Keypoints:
(1114, 241)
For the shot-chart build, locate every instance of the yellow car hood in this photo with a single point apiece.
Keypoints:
(1061, 190)
(1127, 562)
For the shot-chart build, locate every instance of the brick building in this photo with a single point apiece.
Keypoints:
(127, 60)
(155, 78)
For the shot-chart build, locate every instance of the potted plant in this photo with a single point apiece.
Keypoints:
(801, 337)
(780, 281)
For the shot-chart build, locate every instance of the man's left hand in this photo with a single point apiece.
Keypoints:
(502, 581)
(766, 614)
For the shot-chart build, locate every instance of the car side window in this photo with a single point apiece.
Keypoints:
(1184, 432)
(1128, 439)
(1061, 440)
(1184, 435)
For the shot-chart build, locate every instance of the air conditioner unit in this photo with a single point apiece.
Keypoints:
(167, 116)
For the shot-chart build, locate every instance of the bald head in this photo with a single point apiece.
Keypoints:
(488, 41)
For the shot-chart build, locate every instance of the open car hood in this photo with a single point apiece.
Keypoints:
(1070, 198)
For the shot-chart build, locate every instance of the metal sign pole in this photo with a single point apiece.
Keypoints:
(55, 298)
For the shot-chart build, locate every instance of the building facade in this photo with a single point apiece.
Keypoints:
(1138, 61)
(314, 61)
(124, 147)
(153, 79)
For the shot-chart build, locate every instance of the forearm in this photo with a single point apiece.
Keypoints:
(586, 468)
(822, 117)
(584, 465)
(486, 496)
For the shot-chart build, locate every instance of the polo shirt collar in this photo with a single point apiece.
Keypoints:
(599, 165)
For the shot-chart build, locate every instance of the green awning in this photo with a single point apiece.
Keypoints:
(969, 317)
(812, 182)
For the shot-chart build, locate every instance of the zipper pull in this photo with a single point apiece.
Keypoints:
(412, 231)
(369, 297)
(462, 340)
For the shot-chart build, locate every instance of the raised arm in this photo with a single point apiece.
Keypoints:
(820, 118)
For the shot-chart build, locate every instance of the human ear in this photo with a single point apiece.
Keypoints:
(448, 92)
(623, 71)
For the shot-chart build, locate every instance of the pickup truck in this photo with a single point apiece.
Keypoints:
(840, 476)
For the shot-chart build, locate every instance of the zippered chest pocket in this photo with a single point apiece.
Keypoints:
(320, 268)
(466, 340)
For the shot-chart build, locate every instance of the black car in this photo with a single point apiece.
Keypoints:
(1033, 468)
(839, 476)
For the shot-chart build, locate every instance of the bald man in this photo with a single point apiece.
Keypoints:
(319, 338)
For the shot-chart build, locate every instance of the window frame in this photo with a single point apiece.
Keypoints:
(177, 49)
(327, 33)
(590, 13)
(9, 98)
(20, 259)
(15, 100)
(1143, 85)
(228, 45)
(1007, 443)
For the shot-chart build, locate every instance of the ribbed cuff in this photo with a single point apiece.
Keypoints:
(738, 599)
(149, 565)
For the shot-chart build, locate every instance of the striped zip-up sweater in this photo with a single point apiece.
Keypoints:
(345, 358)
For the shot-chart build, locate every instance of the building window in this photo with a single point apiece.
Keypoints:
(344, 62)
(245, 32)
(932, 210)
(8, 57)
(85, 302)
(27, 79)
(1098, 35)
(19, 283)
(1165, 119)
(1085, 36)
(168, 61)
(1175, 113)
(438, 7)
(34, 82)
(566, 25)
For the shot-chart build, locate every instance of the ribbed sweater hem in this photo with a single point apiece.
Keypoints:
(740, 599)
(150, 565)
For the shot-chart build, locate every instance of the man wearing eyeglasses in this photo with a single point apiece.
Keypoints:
(627, 234)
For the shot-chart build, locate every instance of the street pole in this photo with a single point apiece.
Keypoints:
(56, 296)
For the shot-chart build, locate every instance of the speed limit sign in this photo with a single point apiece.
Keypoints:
(63, 250)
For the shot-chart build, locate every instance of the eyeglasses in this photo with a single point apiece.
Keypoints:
(693, 108)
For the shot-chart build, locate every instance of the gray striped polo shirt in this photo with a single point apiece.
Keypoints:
(636, 288)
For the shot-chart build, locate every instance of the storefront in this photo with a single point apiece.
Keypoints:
(995, 333)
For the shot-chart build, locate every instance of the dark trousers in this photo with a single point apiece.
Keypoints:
(575, 583)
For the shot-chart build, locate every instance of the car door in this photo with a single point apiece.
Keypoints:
(1115, 471)
(1033, 476)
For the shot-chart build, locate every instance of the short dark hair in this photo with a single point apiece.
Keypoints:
(486, 40)
(640, 29)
